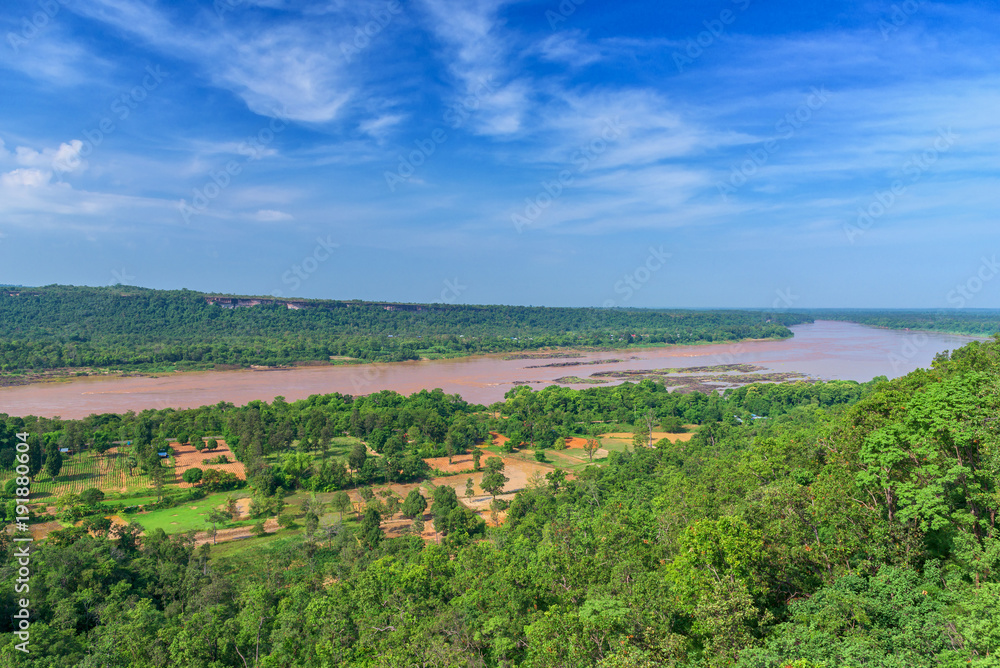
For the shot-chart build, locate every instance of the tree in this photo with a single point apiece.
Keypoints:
(199, 444)
(359, 453)
(192, 475)
(53, 462)
(560, 444)
(391, 502)
(97, 525)
(641, 436)
(470, 490)
(648, 422)
(216, 517)
(158, 475)
(370, 534)
(415, 504)
(101, 444)
(340, 502)
(477, 455)
(449, 448)
(494, 480)
(445, 500)
(212, 444)
(591, 446)
(259, 530)
(92, 496)
(232, 507)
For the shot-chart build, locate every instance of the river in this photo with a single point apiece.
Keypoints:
(823, 349)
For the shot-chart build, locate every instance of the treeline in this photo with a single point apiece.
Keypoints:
(136, 328)
(277, 442)
(975, 322)
(855, 526)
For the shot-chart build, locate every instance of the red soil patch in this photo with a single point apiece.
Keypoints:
(657, 435)
(186, 457)
(461, 462)
(498, 439)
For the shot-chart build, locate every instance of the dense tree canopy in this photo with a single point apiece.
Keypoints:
(128, 327)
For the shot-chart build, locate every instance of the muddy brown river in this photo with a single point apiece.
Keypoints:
(824, 349)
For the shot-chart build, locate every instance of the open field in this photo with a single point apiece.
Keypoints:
(185, 517)
(187, 457)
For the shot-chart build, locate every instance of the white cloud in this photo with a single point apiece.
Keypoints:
(66, 158)
(26, 177)
(290, 69)
(272, 216)
(478, 53)
(381, 126)
(568, 47)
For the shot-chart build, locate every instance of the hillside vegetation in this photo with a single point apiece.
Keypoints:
(854, 526)
(136, 328)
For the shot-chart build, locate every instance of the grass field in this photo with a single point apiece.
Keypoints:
(186, 517)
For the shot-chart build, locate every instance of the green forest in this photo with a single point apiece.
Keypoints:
(850, 525)
(977, 322)
(129, 328)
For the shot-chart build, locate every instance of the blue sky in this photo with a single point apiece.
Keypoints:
(738, 153)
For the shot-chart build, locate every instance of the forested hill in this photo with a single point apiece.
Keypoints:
(135, 328)
(976, 322)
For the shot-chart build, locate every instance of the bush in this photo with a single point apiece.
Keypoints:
(215, 480)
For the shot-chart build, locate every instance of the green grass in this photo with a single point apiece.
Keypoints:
(254, 545)
(130, 501)
(188, 516)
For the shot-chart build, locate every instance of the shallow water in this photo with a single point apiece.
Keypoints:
(824, 349)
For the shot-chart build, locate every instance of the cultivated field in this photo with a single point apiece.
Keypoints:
(83, 470)
(187, 457)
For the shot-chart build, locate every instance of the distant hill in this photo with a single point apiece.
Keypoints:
(126, 327)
